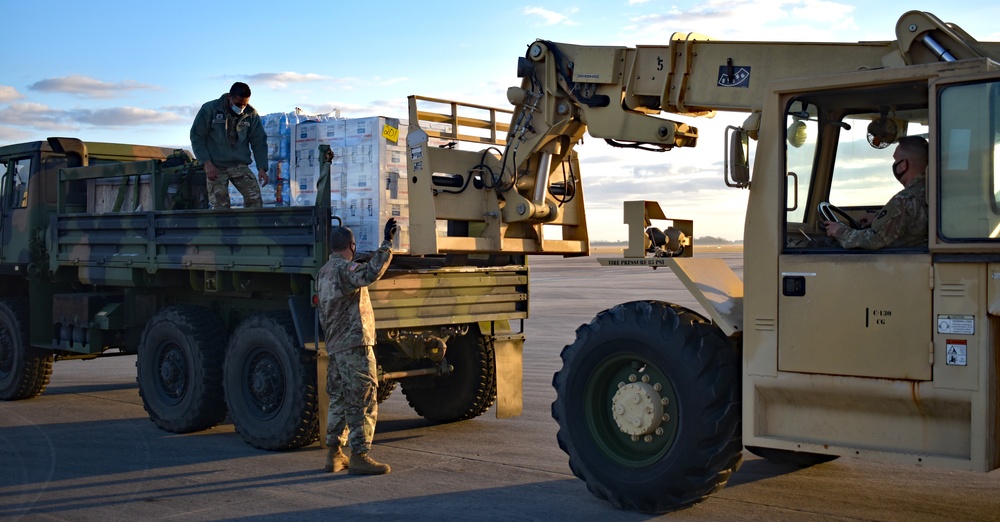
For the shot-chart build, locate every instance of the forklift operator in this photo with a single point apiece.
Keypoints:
(902, 222)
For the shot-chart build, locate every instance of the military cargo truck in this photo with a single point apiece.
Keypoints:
(110, 249)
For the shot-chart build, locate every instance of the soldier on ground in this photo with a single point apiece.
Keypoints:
(349, 330)
(903, 220)
(222, 136)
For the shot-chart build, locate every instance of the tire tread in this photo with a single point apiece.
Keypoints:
(717, 454)
(37, 363)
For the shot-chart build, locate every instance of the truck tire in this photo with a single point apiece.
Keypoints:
(179, 369)
(467, 392)
(24, 370)
(684, 440)
(799, 459)
(270, 384)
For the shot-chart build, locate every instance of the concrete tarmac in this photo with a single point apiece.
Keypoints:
(85, 450)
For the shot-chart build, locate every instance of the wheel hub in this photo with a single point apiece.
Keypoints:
(265, 383)
(637, 408)
(173, 373)
(169, 371)
(262, 385)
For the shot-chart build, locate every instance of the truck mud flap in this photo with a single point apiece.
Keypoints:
(509, 372)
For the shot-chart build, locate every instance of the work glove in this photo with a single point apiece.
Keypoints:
(390, 229)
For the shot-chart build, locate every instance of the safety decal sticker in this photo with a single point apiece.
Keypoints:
(734, 76)
(956, 324)
(956, 352)
(416, 157)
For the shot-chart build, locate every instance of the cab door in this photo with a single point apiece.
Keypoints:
(859, 314)
(15, 174)
(855, 312)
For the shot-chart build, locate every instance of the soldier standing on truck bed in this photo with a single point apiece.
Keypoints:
(345, 313)
(222, 136)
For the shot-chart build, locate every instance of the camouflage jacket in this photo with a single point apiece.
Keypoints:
(345, 311)
(901, 222)
(210, 140)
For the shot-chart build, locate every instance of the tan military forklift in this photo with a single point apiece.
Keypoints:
(819, 352)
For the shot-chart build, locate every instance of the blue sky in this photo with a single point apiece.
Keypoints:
(115, 71)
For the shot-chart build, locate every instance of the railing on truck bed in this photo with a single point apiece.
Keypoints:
(135, 248)
(285, 239)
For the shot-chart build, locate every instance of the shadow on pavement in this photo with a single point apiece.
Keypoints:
(90, 388)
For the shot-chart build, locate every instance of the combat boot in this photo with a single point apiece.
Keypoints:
(362, 464)
(335, 460)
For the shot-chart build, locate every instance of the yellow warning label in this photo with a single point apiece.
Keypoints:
(390, 133)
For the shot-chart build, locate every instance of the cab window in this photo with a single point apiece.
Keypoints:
(839, 151)
(14, 188)
(969, 174)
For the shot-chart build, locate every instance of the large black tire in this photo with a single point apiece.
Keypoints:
(799, 459)
(467, 392)
(271, 384)
(179, 369)
(685, 440)
(24, 370)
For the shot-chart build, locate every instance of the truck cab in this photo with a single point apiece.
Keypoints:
(29, 178)
(884, 353)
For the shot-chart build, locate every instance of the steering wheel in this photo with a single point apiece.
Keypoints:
(831, 213)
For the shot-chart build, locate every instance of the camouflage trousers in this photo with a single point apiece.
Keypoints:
(244, 181)
(352, 384)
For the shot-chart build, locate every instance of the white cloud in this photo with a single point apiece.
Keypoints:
(547, 17)
(774, 20)
(9, 94)
(281, 80)
(33, 115)
(38, 116)
(123, 117)
(13, 134)
(86, 87)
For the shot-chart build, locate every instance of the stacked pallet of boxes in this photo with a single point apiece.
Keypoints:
(368, 175)
(278, 126)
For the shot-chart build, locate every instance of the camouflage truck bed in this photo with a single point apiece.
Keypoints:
(256, 253)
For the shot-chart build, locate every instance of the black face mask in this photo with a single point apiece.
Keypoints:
(899, 175)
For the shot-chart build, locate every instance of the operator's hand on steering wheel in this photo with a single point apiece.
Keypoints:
(867, 219)
(833, 228)
(831, 212)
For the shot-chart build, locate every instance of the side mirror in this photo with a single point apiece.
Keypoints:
(737, 172)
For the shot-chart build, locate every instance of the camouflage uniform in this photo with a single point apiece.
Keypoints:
(226, 139)
(244, 181)
(345, 313)
(901, 222)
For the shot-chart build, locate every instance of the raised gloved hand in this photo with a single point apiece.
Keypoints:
(390, 229)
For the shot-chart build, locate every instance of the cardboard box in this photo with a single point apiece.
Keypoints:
(367, 175)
